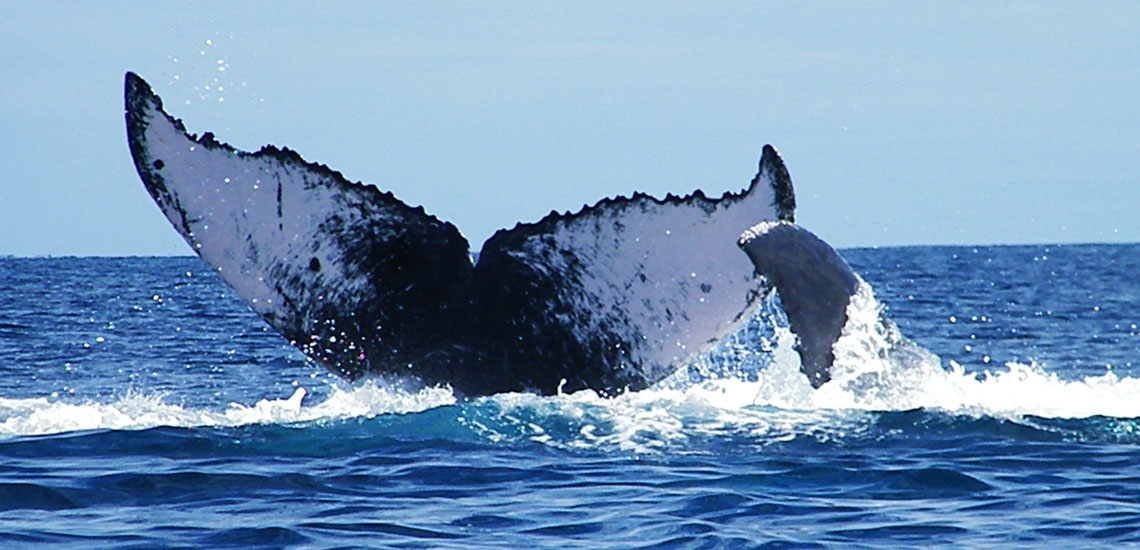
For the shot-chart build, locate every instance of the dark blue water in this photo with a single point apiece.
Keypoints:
(143, 406)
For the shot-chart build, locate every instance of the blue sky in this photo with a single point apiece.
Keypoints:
(901, 123)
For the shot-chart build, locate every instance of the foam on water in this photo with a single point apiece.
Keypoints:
(876, 370)
(659, 419)
(40, 416)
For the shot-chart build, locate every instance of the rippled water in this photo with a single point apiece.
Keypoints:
(143, 406)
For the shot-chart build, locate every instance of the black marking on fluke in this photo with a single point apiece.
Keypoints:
(363, 283)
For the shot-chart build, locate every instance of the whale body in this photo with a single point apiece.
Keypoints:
(614, 297)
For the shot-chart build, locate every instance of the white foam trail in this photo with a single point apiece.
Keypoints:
(651, 420)
(1028, 390)
(781, 405)
(42, 416)
(1019, 390)
(368, 399)
(39, 416)
(876, 369)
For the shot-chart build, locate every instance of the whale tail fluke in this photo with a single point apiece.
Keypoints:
(349, 274)
(613, 297)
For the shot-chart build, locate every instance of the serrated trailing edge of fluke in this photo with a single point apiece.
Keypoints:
(613, 297)
(138, 94)
(784, 199)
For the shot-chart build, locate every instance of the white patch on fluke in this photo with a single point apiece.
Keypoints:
(664, 276)
(248, 216)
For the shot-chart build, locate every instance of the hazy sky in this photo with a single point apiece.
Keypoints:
(901, 123)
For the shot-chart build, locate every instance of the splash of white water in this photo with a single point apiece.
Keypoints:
(876, 369)
(39, 416)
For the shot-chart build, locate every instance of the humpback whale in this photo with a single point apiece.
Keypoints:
(613, 297)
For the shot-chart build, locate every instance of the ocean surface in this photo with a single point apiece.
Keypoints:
(142, 405)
